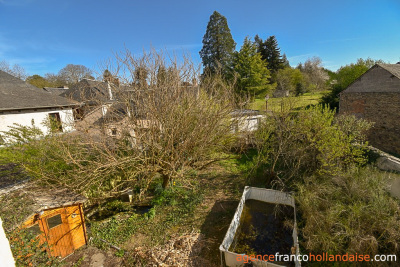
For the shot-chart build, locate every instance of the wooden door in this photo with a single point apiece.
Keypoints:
(58, 234)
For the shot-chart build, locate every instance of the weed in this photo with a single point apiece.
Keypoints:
(120, 253)
(79, 262)
(116, 230)
(350, 212)
(150, 214)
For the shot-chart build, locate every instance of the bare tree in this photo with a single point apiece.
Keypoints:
(55, 80)
(315, 72)
(15, 70)
(74, 73)
(150, 132)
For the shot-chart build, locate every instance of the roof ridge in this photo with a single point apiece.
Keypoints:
(388, 67)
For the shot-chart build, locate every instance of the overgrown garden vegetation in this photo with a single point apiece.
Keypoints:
(185, 160)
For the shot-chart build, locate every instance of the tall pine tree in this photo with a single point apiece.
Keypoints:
(218, 45)
(251, 71)
(270, 52)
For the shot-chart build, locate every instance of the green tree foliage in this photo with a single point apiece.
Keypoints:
(292, 80)
(285, 61)
(299, 89)
(20, 134)
(38, 81)
(344, 77)
(310, 142)
(250, 70)
(270, 52)
(218, 45)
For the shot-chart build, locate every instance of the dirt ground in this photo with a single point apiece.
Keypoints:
(198, 247)
(92, 257)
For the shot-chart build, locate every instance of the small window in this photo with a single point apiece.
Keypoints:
(34, 230)
(55, 122)
(114, 131)
(78, 114)
(54, 221)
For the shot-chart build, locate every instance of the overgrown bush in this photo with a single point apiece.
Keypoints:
(349, 212)
(312, 141)
(170, 207)
(342, 203)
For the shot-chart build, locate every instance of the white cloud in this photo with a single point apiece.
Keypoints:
(294, 60)
(340, 40)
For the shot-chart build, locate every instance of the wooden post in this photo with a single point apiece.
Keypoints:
(266, 102)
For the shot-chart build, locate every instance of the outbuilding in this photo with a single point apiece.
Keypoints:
(375, 96)
(24, 104)
(54, 216)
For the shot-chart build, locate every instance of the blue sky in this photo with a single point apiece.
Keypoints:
(45, 35)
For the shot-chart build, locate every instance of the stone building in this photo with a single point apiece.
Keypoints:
(375, 96)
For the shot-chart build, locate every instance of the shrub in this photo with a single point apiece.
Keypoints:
(310, 142)
(349, 212)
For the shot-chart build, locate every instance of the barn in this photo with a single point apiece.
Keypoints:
(375, 96)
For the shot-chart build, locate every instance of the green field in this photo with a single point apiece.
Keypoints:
(287, 103)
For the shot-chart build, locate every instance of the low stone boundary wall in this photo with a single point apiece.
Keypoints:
(390, 163)
(385, 161)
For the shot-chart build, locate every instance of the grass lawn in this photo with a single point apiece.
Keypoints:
(285, 103)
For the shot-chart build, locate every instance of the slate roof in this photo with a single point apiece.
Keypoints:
(381, 78)
(55, 90)
(392, 68)
(90, 90)
(16, 94)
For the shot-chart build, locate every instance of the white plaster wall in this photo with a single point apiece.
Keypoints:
(39, 117)
(247, 123)
(6, 258)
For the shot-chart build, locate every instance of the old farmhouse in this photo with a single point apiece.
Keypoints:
(375, 96)
(24, 104)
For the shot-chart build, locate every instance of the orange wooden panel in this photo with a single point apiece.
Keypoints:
(65, 237)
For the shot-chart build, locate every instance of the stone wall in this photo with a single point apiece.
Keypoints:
(381, 108)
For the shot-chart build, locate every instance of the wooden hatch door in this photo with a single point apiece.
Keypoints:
(58, 234)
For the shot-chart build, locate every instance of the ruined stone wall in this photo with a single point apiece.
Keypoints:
(381, 108)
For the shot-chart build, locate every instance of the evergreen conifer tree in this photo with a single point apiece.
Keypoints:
(270, 52)
(218, 45)
(251, 71)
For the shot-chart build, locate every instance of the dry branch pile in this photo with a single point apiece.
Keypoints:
(183, 250)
